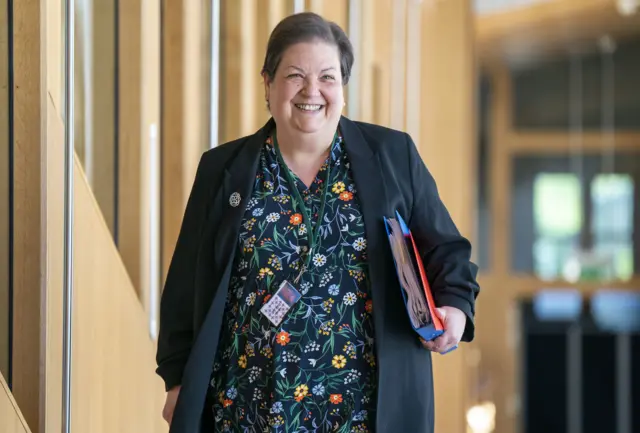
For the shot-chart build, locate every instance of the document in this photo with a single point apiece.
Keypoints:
(414, 285)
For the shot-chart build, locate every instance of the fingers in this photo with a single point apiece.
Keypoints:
(442, 344)
(429, 345)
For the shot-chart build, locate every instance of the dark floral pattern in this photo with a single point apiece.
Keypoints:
(316, 371)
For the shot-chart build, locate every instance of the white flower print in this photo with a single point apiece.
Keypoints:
(349, 298)
(325, 279)
(352, 376)
(273, 217)
(254, 373)
(290, 357)
(360, 244)
(311, 346)
(302, 230)
(319, 260)
(251, 299)
(257, 395)
(305, 288)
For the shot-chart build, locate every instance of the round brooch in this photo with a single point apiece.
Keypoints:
(235, 199)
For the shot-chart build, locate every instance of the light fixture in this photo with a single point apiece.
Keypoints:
(627, 7)
(481, 418)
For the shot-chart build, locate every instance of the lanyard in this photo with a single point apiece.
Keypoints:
(312, 234)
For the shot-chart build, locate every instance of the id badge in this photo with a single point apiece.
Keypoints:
(280, 303)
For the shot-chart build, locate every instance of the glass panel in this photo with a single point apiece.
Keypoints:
(612, 223)
(5, 195)
(557, 206)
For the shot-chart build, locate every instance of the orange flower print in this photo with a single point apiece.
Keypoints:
(335, 398)
(296, 219)
(369, 306)
(283, 338)
(227, 403)
(346, 196)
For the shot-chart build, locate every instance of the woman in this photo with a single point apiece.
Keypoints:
(282, 310)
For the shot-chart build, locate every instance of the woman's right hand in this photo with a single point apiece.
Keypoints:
(170, 404)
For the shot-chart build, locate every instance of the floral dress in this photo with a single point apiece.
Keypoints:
(316, 370)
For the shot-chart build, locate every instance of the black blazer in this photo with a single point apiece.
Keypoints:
(389, 176)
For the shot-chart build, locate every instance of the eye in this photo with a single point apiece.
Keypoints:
(328, 77)
(295, 75)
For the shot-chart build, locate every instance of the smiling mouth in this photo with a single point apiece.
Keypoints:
(309, 107)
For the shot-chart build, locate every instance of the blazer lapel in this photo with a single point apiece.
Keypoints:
(372, 194)
(237, 186)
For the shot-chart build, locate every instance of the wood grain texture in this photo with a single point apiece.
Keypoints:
(4, 191)
(29, 223)
(11, 419)
(447, 145)
(114, 386)
(129, 135)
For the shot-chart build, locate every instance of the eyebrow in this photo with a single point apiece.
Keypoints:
(331, 68)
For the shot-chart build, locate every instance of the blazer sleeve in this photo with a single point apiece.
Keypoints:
(445, 252)
(176, 331)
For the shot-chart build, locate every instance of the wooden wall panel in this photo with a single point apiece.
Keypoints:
(29, 264)
(102, 113)
(241, 90)
(173, 118)
(11, 419)
(4, 191)
(129, 135)
(448, 146)
(114, 385)
(185, 110)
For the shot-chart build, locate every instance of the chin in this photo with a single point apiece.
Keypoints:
(312, 125)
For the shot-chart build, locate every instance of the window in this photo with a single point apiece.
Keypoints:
(612, 223)
(570, 227)
(557, 208)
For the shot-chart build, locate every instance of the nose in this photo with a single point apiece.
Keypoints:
(310, 87)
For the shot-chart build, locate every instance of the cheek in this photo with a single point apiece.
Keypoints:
(334, 96)
(287, 92)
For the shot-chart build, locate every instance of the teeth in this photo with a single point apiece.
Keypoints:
(309, 107)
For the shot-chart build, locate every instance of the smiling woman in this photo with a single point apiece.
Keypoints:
(281, 309)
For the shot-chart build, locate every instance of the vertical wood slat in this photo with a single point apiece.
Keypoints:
(185, 115)
(447, 145)
(240, 74)
(29, 265)
(499, 355)
(129, 135)
(173, 118)
(4, 191)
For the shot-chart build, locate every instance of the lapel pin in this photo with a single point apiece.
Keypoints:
(235, 199)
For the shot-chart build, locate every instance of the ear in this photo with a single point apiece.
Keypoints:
(265, 80)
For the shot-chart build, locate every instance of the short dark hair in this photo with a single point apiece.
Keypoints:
(306, 27)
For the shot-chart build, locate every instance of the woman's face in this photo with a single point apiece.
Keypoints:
(306, 93)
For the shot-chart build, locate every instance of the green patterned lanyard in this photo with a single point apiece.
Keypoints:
(312, 234)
